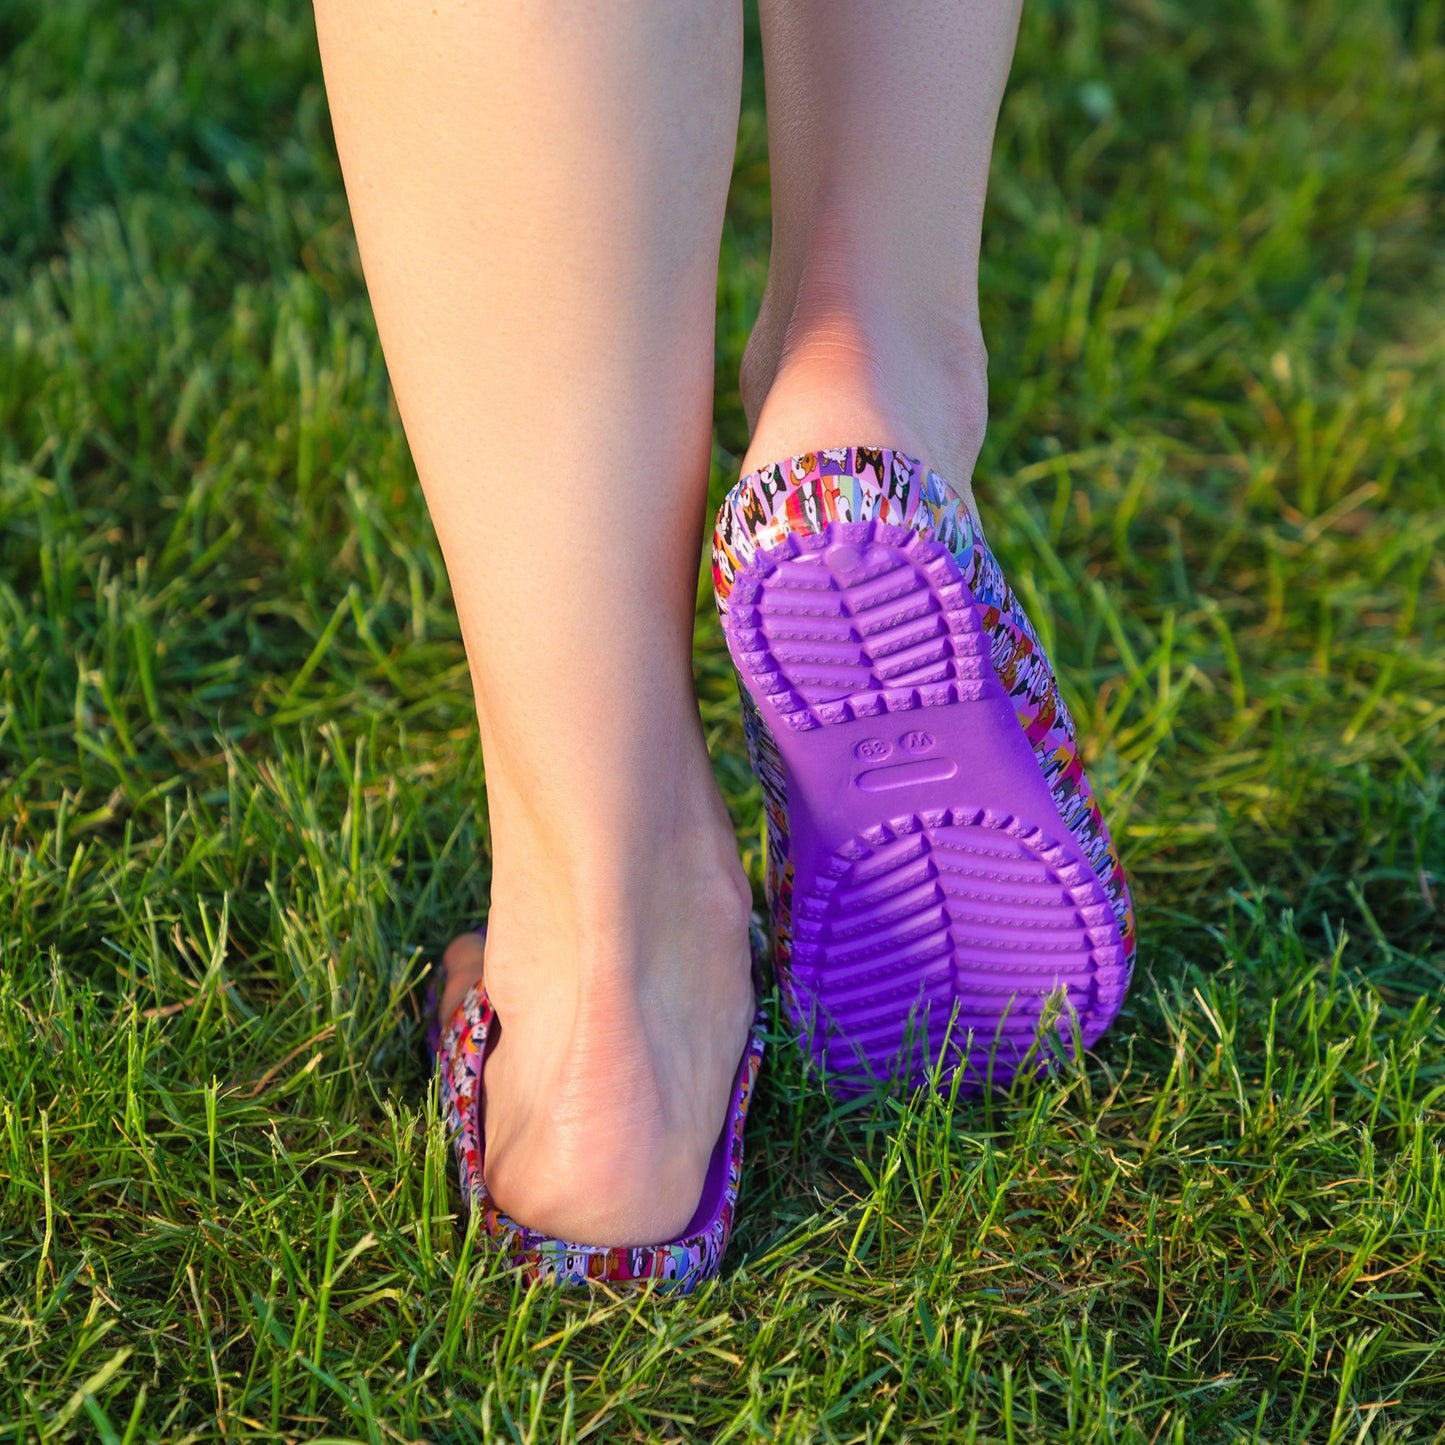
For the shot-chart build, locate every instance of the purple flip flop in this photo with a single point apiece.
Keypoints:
(459, 1052)
(944, 892)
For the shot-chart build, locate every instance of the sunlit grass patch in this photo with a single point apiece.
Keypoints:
(240, 795)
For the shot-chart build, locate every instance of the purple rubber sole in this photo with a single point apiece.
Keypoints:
(942, 914)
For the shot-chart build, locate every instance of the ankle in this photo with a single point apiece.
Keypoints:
(617, 920)
(836, 364)
(624, 818)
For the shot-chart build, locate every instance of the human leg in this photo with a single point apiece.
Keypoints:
(880, 127)
(538, 191)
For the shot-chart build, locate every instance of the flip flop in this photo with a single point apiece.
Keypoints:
(458, 1054)
(944, 891)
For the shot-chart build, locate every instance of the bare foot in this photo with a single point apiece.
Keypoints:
(624, 1003)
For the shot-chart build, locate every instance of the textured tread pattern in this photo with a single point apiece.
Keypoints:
(878, 628)
(952, 936)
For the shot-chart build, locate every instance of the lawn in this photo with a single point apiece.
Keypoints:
(241, 802)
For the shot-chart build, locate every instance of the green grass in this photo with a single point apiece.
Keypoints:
(240, 798)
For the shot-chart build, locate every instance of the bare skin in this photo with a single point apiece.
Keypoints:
(537, 191)
(869, 330)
